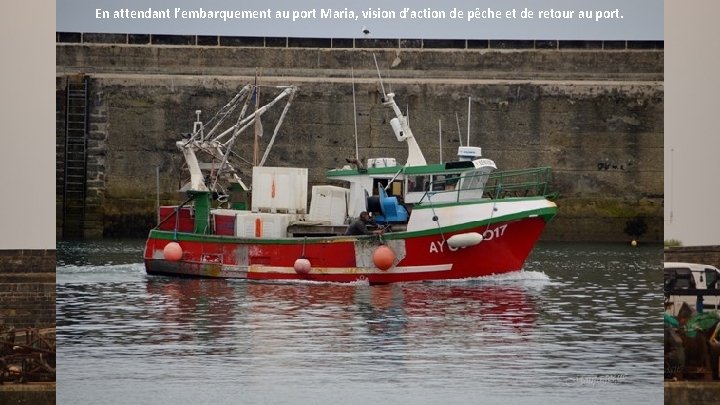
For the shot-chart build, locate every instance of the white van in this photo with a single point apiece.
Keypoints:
(684, 281)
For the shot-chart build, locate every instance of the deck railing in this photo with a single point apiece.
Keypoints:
(534, 182)
(519, 183)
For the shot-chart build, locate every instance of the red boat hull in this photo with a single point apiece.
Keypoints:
(505, 248)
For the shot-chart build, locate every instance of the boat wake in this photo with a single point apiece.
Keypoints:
(94, 273)
(68, 273)
(518, 275)
(102, 268)
(525, 278)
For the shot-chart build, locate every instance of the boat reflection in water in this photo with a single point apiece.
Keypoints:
(192, 308)
(389, 330)
(258, 314)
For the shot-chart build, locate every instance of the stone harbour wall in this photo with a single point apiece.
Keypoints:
(28, 394)
(594, 115)
(691, 392)
(694, 254)
(27, 289)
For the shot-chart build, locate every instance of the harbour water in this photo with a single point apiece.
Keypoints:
(580, 323)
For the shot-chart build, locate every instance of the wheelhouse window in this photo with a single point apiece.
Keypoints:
(475, 180)
(711, 278)
(434, 182)
(679, 279)
(418, 183)
(451, 181)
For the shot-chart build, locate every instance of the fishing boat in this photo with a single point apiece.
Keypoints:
(436, 221)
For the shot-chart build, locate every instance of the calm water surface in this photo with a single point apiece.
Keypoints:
(581, 323)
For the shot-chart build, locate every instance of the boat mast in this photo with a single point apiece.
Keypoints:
(468, 133)
(218, 149)
(400, 126)
(440, 138)
(357, 153)
(256, 146)
(457, 121)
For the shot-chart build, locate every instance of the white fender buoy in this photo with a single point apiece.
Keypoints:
(172, 252)
(302, 266)
(383, 257)
(464, 240)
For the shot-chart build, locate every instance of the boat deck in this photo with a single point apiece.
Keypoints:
(296, 230)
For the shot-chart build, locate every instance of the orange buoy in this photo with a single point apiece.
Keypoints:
(383, 257)
(302, 266)
(172, 252)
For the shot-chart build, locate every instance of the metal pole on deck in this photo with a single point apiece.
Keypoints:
(157, 192)
(256, 146)
(357, 153)
(440, 138)
(457, 121)
(468, 134)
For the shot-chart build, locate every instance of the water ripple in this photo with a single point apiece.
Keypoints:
(573, 325)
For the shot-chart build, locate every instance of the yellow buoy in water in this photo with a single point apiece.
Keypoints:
(633, 243)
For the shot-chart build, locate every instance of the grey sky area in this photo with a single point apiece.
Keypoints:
(609, 19)
(692, 137)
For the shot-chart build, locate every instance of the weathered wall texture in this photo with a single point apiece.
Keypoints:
(691, 392)
(27, 289)
(694, 254)
(595, 117)
(28, 394)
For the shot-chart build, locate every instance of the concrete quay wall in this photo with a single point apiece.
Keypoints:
(582, 64)
(594, 116)
(28, 394)
(27, 289)
(27, 300)
(691, 392)
(694, 254)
